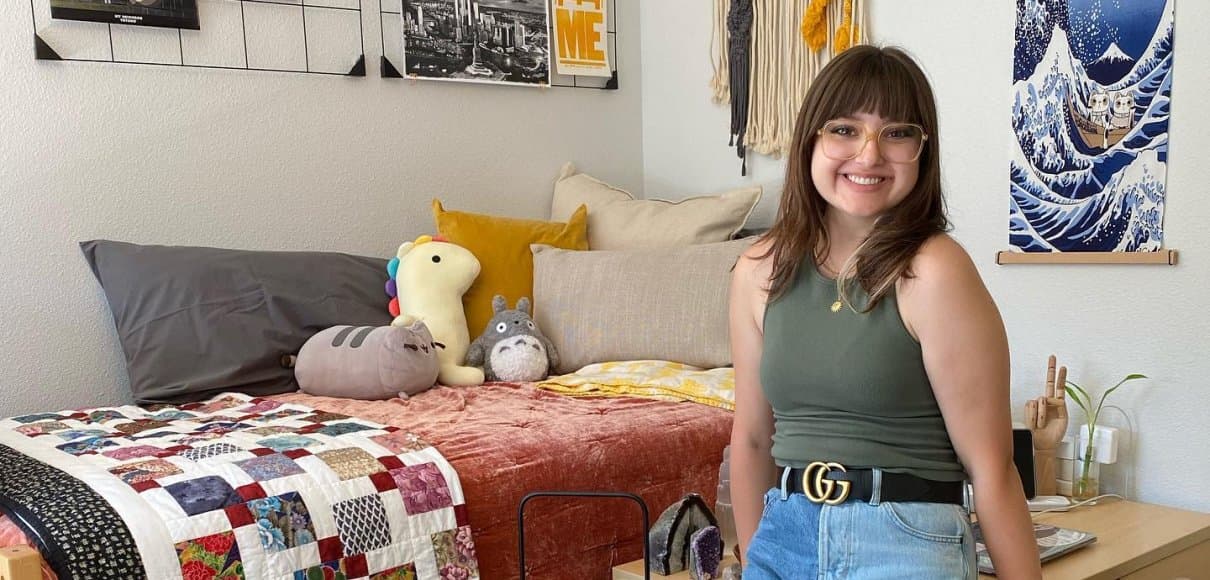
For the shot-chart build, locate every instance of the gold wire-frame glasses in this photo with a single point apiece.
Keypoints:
(897, 142)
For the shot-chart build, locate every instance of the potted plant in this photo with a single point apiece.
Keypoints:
(1086, 485)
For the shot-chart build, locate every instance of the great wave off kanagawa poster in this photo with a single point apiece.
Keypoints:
(1091, 87)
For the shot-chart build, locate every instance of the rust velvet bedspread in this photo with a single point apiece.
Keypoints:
(506, 440)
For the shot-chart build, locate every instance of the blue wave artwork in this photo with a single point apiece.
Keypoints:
(1091, 86)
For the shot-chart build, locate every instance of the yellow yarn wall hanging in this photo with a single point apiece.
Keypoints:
(847, 31)
(814, 27)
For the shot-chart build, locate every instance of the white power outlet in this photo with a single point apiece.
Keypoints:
(1104, 443)
(1066, 449)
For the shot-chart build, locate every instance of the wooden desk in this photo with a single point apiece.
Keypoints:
(1135, 541)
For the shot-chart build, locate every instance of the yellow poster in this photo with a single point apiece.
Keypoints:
(581, 42)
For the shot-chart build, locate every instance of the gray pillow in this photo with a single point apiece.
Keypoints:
(194, 322)
(668, 304)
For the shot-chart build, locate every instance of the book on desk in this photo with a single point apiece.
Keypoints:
(1053, 542)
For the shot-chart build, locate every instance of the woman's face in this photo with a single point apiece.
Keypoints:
(867, 185)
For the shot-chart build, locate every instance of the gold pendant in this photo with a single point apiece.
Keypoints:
(836, 306)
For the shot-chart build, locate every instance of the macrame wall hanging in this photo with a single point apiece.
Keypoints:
(765, 55)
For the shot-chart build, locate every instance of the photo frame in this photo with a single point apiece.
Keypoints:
(160, 13)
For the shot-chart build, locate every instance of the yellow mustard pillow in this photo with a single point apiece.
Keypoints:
(502, 246)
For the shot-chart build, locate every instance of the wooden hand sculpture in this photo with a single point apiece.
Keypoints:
(1046, 418)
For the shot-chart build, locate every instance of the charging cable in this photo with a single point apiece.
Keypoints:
(1076, 505)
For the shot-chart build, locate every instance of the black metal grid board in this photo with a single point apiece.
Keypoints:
(323, 37)
(390, 69)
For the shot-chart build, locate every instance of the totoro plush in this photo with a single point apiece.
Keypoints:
(512, 348)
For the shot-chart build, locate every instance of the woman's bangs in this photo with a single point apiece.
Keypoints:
(876, 85)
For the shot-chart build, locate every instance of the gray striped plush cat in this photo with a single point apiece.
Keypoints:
(368, 362)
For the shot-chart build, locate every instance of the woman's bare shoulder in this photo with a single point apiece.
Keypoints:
(942, 271)
(756, 261)
(941, 257)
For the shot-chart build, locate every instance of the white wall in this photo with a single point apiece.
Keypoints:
(1102, 321)
(685, 135)
(252, 160)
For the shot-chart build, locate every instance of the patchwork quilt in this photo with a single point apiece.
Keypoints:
(234, 487)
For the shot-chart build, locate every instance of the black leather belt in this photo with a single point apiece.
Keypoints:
(832, 483)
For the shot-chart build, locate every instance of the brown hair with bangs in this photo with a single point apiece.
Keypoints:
(863, 79)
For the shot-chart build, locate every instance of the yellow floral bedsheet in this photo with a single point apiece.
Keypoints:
(649, 378)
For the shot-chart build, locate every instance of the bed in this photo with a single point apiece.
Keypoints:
(505, 440)
(494, 443)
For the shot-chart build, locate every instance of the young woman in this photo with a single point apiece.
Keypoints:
(871, 364)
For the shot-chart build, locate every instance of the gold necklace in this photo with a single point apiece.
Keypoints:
(838, 304)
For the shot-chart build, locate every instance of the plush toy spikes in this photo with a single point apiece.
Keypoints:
(419, 241)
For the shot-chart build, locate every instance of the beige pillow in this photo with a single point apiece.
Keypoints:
(618, 221)
(600, 306)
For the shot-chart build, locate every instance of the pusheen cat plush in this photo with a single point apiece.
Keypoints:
(368, 362)
(512, 348)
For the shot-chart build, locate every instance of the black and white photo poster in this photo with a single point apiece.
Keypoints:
(166, 13)
(494, 41)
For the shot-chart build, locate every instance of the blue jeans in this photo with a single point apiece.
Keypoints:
(799, 540)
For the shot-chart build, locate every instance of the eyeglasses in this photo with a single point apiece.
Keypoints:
(897, 142)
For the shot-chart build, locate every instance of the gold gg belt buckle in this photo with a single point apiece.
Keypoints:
(820, 489)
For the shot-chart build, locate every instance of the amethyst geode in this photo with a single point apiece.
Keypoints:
(705, 553)
(671, 534)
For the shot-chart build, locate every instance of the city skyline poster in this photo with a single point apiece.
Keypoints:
(485, 41)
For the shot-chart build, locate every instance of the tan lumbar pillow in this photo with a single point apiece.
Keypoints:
(615, 305)
(618, 221)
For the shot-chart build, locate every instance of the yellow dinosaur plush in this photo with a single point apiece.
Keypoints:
(431, 278)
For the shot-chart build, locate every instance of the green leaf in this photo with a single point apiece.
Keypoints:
(191, 552)
(1075, 396)
(214, 561)
(315, 573)
(1083, 395)
(235, 570)
(1129, 377)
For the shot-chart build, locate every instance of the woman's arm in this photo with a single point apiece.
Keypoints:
(752, 469)
(965, 350)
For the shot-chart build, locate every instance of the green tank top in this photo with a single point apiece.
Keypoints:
(850, 387)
